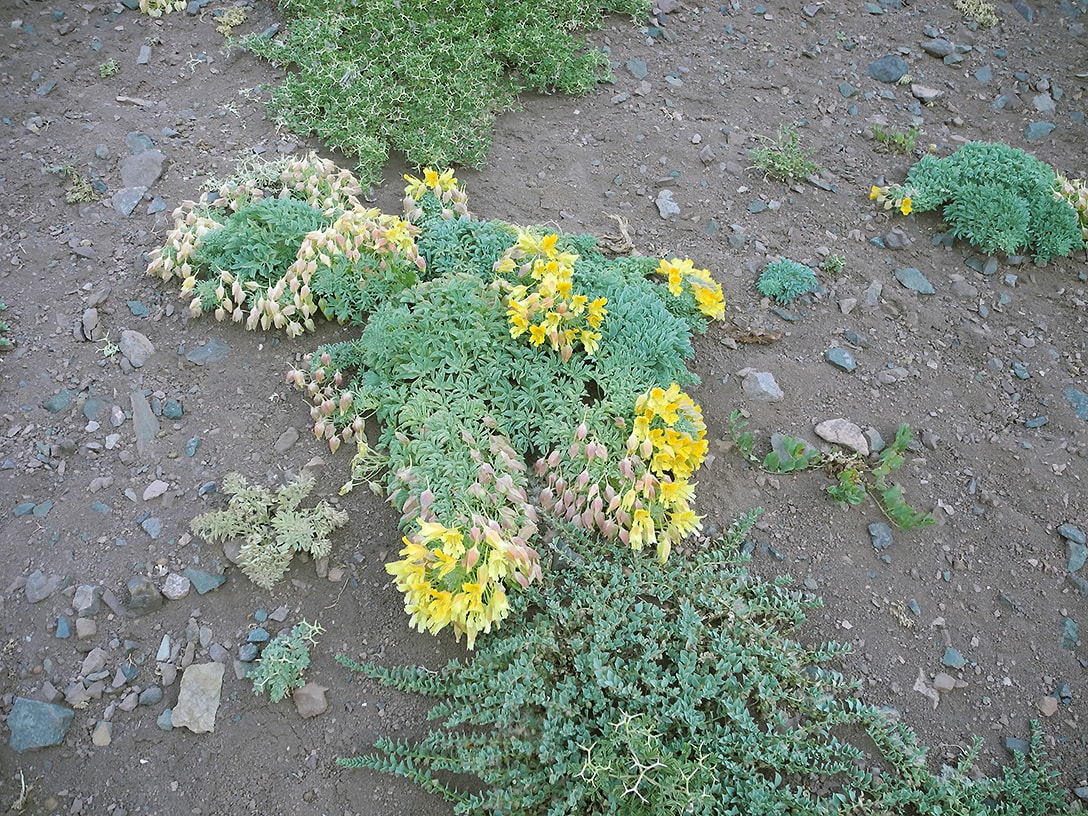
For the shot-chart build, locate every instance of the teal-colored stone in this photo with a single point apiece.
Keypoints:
(953, 659)
(34, 724)
(204, 582)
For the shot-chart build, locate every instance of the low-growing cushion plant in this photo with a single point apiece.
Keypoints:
(1000, 198)
(627, 686)
(428, 78)
(518, 375)
(784, 280)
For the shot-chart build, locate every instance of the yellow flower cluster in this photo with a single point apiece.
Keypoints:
(545, 306)
(443, 186)
(645, 498)
(892, 197)
(669, 433)
(707, 291)
(457, 578)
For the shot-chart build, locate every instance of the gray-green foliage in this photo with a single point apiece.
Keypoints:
(626, 686)
(430, 78)
(783, 157)
(999, 198)
(272, 526)
(284, 660)
(785, 280)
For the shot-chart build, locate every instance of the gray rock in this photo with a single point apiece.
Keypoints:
(145, 423)
(138, 142)
(176, 586)
(171, 409)
(142, 169)
(40, 586)
(286, 440)
(165, 721)
(760, 385)
(1038, 130)
(841, 359)
(59, 401)
(247, 652)
(637, 68)
(64, 628)
(1079, 400)
(219, 654)
(1071, 532)
(914, 280)
(136, 347)
(143, 596)
(152, 526)
(938, 48)
(925, 94)
(102, 735)
(211, 352)
(204, 582)
(984, 74)
(95, 661)
(126, 200)
(34, 724)
(1078, 554)
(953, 659)
(1067, 637)
(888, 69)
(310, 700)
(87, 600)
(666, 207)
(198, 699)
(881, 535)
(843, 432)
(150, 696)
(1014, 745)
(1043, 103)
(944, 682)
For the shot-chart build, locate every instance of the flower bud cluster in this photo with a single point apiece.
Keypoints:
(1075, 191)
(452, 200)
(897, 196)
(333, 408)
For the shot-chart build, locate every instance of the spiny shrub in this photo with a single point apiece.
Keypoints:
(627, 686)
(999, 198)
(430, 78)
(518, 376)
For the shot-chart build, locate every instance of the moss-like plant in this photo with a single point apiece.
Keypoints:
(628, 686)
(273, 526)
(284, 660)
(998, 197)
(5, 343)
(430, 78)
(785, 280)
(783, 157)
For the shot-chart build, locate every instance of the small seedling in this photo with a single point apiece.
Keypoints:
(833, 265)
(108, 347)
(783, 157)
(895, 140)
(284, 660)
(5, 344)
(108, 69)
(855, 479)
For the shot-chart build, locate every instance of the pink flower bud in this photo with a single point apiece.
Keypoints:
(580, 432)
(471, 557)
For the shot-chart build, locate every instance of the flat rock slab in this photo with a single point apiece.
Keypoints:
(843, 432)
(35, 724)
(198, 700)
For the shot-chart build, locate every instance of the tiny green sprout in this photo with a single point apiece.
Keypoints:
(108, 69)
(833, 265)
(108, 347)
(782, 157)
(895, 140)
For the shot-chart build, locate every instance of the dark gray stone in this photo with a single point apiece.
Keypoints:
(1079, 400)
(143, 169)
(126, 200)
(1067, 638)
(211, 352)
(143, 596)
(637, 68)
(1038, 130)
(914, 280)
(938, 48)
(888, 69)
(841, 359)
(152, 526)
(150, 696)
(204, 582)
(881, 535)
(34, 724)
(59, 401)
(171, 409)
(1078, 554)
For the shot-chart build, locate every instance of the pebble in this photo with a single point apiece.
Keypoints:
(211, 352)
(310, 700)
(953, 658)
(155, 489)
(1072, 533)
(286, 440)
(637, 68)
(64, 628)
(1067, 638)
(1079, 400)
(172, 409)
(843, 432)
(1038, 130)
(136, 348)
(944, 682)
(761, 385)
(666, 207)
(152, 526)
(939, 48)
(165, 720)
(1048, 706)
(150, 696)
(86, 628)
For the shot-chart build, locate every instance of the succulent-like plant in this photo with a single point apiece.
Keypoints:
(785, 280)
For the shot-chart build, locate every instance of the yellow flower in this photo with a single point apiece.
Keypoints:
(590, 341)
(519, 324)
(537, 335)
(597, 312)
(473, 596)
(504, 266)
(446, 563)
(905, 206)
(430, 177)
(710, 301)
(875, 193)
